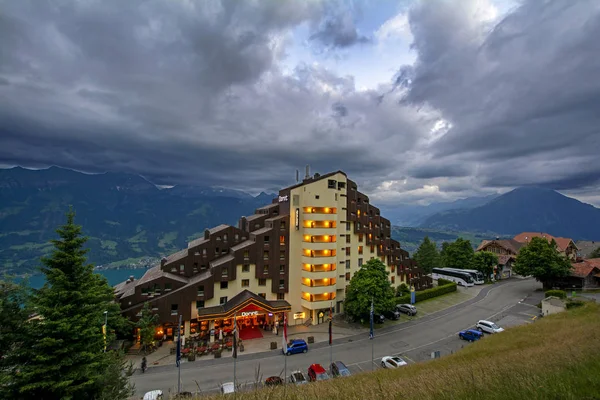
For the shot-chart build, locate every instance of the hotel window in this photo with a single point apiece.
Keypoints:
(263, 295)
(317, 196)
(236, 237)
(267, 239)
(282, 269)
(347, 264)
(280, 296)
(360, 262)
(372, 248)
(224, 272)
(223, 300)
(282, 225)
(348, 239)
(245, 282)
(348, 227)
(203, 252)
(203, 266)
(347, 276)
(181, 267)
(174, 309)
(282, 239)
(168, 287)
(282, 254)
(199, 303)
(266, 255)
(360, 237)
(196, 253)
(201, 290)
(341, 185)
(246, 254)
(246, 268)
(360, 249)
(358, 226)
(331, 184)
(336, 197)
(281, 284)
(393, 279)
(262, 282)
(265, 269)
(224, 285)
(216, 250)
(224, 237)
(218, 238)
(348, 251)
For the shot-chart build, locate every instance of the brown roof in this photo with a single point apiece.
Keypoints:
(155, 272)
(561, 243)
(268, 206)
(586, 267)
(504, 258)
(508, 244)
(240, 301)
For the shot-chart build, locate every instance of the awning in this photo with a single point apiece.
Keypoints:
(243, 302)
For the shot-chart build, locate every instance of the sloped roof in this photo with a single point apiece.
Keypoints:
(585, 247)
(240, 301)
(508, 244)
(586, 267)
(561, 243)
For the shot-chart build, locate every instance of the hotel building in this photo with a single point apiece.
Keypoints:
(294, 256)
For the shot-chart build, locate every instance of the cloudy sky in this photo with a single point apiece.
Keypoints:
(418, 101)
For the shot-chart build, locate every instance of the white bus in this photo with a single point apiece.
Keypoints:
(476, 275)
(461, 278)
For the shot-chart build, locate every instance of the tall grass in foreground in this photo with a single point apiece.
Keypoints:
(557, 357)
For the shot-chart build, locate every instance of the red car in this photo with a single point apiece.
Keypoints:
(317, 373)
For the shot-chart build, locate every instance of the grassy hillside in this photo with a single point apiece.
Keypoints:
(557, 357)
(411, 238)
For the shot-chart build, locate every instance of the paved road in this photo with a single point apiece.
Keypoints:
(413, 339)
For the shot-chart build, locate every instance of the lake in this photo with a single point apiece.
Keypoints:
(114, 276)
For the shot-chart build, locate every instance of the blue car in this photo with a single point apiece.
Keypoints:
(295, 346)
(470, 334)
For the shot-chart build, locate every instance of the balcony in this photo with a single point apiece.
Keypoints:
(318, 290)
(313, 283)
(311, 224)
(317, 302)
(319, 210)
(319, 239)
(319, 267)
(319, 253)
(318, 246)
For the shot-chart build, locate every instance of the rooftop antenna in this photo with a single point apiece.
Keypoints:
(297, 176)
(307, 172)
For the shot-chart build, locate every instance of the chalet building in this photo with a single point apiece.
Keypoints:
(584, 275)
(565, 246)
(294, 256)
(506, 250)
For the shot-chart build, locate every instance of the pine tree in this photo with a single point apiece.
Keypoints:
(427, 256)
(64, 356)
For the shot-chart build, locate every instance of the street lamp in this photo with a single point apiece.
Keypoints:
(105, 328)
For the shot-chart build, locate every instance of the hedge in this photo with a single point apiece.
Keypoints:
(561, 294)
(428, 293)
(442, 282)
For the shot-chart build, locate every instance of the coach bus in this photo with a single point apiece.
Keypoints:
(476, 275)
(460, 278)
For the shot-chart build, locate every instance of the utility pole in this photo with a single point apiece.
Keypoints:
(105, 328)
(179, 355)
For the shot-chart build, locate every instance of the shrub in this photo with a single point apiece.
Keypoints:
(428, 293)
(402, 290)
(442, 282)
(574, 304)
(561, 294)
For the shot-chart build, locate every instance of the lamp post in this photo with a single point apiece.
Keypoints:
(105, 328)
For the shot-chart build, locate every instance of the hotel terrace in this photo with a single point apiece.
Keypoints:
(294, 256)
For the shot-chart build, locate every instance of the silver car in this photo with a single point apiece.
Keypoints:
(407, 309)
(298, 378)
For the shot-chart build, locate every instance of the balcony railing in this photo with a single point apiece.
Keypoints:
(318, 297)
(319, 210)
(318, 282)
(319, 239)
(320, 224)
(319, 253)
(319, 267)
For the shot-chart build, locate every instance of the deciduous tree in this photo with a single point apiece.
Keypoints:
(427, 255)
(63, 353)
(147, 324)
(484, 262)
(458, 254)
(369, 282)
(543, 261)
(595, 253)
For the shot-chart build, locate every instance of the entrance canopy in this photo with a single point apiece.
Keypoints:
(245, 303)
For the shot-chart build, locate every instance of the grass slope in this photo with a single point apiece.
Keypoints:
(411, 238)
(557, 357)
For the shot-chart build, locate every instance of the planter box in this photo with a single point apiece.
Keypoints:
(192, 357)
(217, 354)
(311, 339)
(273, 345)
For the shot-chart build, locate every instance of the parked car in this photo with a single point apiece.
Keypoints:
(227, 387)
(298, 378)
(394, 315)
(338, 368)
(273, 381)
(392, 362)
(407, 309)
(488, 327)
(153, 395)
(295, 346)
(378, 318)
(470, 334)
(317, 373)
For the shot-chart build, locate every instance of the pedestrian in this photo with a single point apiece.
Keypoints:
(144, 364)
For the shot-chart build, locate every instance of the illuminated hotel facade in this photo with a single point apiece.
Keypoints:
(294, 256)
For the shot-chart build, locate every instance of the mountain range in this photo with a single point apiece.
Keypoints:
(132, 222)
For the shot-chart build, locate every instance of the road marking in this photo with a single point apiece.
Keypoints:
(359, 367)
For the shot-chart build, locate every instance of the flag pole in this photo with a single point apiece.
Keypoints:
(285, 349)
(234, 347)
(179, 355)
(330, 334)
(371, 335)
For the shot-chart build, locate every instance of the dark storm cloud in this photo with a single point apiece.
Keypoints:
(522, 96)
(339, 31)
(183, 92)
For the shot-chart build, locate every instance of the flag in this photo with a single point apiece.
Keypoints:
(235, 333)
(104, 335)
(330, 319)
(284, 337)
(178, 357)
(372, 316)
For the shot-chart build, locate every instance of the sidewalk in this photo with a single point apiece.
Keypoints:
(341, 329)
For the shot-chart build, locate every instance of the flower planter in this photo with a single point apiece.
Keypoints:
(217, 354)
(311, 339)
(273, 345)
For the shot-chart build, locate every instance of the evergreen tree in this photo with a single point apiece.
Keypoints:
(458, 254)
(484, 262)
(147, 324)
(542, 260)
(427, 256)
(595, 253)
(13, 316)
(63, 356)
(369, 282)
